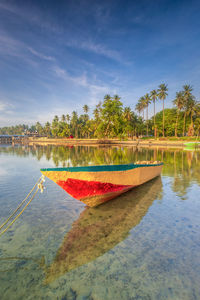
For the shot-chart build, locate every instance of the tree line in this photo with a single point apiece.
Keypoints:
(110, 119)
(181, 120)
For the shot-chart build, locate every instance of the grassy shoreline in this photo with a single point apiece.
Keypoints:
(166, 142)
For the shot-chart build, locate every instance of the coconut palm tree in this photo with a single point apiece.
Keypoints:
(47, 129)
(67, 117)
(127, 116)
(116, 97)
(162, 93)
(138, 108)
(86, 108)
(55, 126)
(63, 118)
(127, 113)
(192, 107)
(179, 102)
(154, 96)
(74, 123)
(147, 102)
(107, 97)
(143, 104)
(187, 91)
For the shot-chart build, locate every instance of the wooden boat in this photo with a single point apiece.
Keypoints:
(100, 229)
(94, 185)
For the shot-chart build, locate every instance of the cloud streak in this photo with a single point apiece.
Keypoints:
(98, 49)
(40, 55)
(96, 91)
(31, 14)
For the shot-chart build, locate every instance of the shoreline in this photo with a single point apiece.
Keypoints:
(106, 142)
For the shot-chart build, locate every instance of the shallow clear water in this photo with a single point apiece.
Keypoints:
(142, 245)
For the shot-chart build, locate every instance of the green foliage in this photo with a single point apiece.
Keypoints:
(112, 120)
(170, 121)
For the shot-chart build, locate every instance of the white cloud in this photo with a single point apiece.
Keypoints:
(5, 106)
(63, 74)
(9, 46)
(95, 90)
(12, 47)
(95, 48)
(30, 13)
(2, 106)
(40, 55)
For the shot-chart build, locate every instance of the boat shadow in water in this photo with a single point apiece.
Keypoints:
(99, 229)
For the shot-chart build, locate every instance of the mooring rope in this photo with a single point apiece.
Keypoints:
(38, 186)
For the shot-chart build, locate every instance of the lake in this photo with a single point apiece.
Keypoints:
(144, 244)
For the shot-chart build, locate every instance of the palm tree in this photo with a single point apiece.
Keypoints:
(67, 117)
(147, 102)
(127, 117)
(162, 93)
(47, 129)
(116, 97)
(187, 89)
(127, 113)
(56, 119)
(154, 96)
(192, 107)
(55, 128)
(63, 118)
(86, 108)
(179, 102)
(143, 104)
(107, 97)
(139, 108)
(74, 123)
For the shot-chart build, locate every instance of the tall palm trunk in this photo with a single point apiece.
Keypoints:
(147, 121)
(176, 123)
(184, 124)
(163, 120)
(154, 118)
(192, 125)
(107, 128)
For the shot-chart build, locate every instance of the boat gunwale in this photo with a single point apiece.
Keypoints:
(101, 168)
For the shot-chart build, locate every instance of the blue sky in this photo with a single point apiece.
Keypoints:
(56, 56)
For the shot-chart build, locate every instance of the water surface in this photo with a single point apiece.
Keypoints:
(143, 245)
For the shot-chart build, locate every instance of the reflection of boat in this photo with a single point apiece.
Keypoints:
(100, 229)
(94, 185)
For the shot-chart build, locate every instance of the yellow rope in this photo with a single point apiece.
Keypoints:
(15, 219)
(39, 185)
(20, 204)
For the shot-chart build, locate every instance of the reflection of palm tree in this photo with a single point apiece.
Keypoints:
(99, 230)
